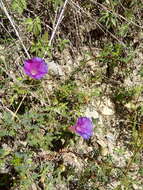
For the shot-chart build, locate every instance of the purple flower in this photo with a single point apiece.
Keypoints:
(35, 67)
(83, 127)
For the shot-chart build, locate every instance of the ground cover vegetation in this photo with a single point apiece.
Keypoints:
(94, 54)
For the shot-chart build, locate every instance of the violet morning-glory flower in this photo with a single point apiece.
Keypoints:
(83, 127)
(35, 67)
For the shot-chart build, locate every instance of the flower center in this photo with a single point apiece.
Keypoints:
(33, 72)
(78, 128)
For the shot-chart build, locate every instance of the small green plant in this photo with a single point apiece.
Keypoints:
(40, 47)
(108, 18)
(33, 25)
(114, 55)
(124, 29)
(56, 3)
(62, 44)
(19, 5)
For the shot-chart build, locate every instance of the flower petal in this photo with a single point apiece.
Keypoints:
(35, 68)
(83, 127)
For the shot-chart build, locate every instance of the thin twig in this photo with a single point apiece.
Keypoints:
(8, 110)
(23, 85)
(19, 106)
(58, 22)
(99, 25)
(117, 14)
(13, 25)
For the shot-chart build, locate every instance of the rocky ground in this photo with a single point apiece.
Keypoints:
(95, 70)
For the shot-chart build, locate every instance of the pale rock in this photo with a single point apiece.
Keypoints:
(107, 107)
(111, 141)
(104, 151)
(91, 113)
(24, 143)
(71, 159)
(55, 68)
(137, 187)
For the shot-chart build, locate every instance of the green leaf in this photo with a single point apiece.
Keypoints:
(37, 26)
(19, 5)
(113, 21)
(45, 38)
(33, 25)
